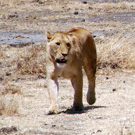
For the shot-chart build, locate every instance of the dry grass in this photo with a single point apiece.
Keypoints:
(31, 60)
(26, 60)
(11, 2)
(113, 7)
(9, 94)
(8, 105)
(117, 52)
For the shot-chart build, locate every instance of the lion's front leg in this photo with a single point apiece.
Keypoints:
(77, 83)
(53, 89)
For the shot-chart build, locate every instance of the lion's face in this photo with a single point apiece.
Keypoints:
(59, 47)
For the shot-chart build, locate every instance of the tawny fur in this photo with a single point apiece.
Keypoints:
(66, 54)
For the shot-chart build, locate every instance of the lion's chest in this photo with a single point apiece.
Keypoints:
(67, 73)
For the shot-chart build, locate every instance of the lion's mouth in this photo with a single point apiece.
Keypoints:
(62, 61)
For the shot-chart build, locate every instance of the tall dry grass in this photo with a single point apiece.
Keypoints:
(9, 94)
(113, 7)
(9, 2)
(31, 60)
(28, 60)
(117, 52)
(15, 2)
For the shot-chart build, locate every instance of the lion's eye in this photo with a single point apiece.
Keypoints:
(57, 43)
(68, 44)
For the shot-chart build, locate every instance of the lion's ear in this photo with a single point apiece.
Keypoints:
(48, 36)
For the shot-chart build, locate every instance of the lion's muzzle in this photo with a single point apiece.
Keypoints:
(61, 61)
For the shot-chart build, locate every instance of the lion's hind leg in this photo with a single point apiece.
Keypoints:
(90, 70)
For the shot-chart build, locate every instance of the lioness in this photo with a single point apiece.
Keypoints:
(66, 54)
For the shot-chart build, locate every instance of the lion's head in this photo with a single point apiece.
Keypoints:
(59, 45)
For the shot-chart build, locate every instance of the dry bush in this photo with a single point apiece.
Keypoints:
(9, 2)
(31, 60)
(2, 54)
(9, 94)
(13, 2)
(124, 5)
(8, 105)
(117, 52)
(113, 7)
(9, 88)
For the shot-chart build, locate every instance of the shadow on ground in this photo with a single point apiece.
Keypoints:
(87, 108)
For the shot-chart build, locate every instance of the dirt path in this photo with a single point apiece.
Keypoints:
(113, 112)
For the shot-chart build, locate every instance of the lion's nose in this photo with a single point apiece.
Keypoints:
(64, 54)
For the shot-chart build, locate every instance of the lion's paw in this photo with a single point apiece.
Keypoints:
(53, 109)
(51, 112)
(91, 100)
(78, 108)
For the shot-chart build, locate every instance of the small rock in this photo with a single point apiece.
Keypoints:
(99, 117)
(114, 90)
(76, 13)
(41, 77)
(12, 16)
(41, 2)
(114, 66)
(84, 2)
(53, 125)
(90, 8)
(36, 0)
(8, 74)
(99, 131)
(1, 79)
(19, 79)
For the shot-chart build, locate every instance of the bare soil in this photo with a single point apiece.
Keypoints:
(23, 95)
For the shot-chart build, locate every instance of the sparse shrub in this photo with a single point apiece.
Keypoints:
(8, 99)
(31, 60)
(9, 2)
(8, 105)
(117, 52)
